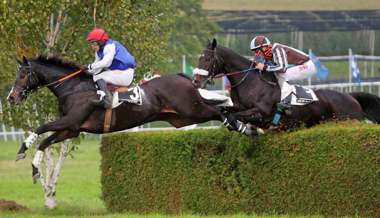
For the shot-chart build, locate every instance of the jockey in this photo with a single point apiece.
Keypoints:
(287, 63)
(113, 64)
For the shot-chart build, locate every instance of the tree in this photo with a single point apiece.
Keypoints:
(59, 27)
(190, 33)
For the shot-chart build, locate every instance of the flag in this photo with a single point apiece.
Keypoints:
(354, 69)
(186, 68)
(322, 71)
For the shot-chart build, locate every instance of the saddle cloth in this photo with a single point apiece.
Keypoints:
(132, 95)
(301, 95)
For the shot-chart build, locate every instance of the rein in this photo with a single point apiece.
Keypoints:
(246, 75)
(56, 83)
(63, 79)
(246, 71)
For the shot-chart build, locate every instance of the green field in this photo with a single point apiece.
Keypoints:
(78, 191)
(289, 5)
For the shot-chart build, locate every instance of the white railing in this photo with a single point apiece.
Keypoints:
(370, 87)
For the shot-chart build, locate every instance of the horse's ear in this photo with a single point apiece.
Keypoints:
(213, 45)
(25, 61)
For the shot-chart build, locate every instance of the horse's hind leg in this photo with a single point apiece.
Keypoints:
(53, 138)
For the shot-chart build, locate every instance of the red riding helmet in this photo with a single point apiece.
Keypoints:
(97, 34)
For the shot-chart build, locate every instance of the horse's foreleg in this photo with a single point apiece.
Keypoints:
(64, 123)
(53, 138)
(25, 145)
(252, 115)
(232, 123)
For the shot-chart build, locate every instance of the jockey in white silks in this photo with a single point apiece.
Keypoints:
(113, 64)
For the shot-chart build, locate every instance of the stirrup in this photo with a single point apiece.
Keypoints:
(283, 105)
(102, 103)
(104, 100)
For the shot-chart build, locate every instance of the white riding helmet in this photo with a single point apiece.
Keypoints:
(258, 42)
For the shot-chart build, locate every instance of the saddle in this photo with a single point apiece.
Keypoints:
(121, 94)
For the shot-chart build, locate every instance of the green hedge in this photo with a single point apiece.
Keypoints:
(333, 169)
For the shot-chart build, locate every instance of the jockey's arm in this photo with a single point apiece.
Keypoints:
(279, 61)
(109, 54)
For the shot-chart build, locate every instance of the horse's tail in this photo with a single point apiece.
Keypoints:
(370, 104)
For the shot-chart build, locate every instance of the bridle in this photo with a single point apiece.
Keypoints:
(241, 81)
(32, 78)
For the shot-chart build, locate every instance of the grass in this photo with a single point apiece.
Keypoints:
(290, 5)
(78, 191)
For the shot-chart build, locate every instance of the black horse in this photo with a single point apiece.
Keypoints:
(169, 98)
(255, 93)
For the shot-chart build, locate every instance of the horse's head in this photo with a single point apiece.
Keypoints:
(209, 66)
(26, 80)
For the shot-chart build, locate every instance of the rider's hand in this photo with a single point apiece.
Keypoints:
(260, 66)
(84, 67)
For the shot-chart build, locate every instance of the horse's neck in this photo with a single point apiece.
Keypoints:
(235, 63)
(49, 75)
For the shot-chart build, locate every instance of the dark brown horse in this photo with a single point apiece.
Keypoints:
(169, 98)
(255, 94)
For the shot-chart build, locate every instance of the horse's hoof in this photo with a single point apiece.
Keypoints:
(288, 112)
(35, 174)
(260, 131)
(272, 128)
(36, 178)
(20, 156)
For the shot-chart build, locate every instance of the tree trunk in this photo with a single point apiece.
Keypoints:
(49, 183)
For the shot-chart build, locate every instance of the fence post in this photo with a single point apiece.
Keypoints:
(309, 78)
(372, 39)
(349, 68)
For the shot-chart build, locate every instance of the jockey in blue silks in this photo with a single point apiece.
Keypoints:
(113, 64)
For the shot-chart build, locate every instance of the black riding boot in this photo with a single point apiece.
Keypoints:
(105, 101)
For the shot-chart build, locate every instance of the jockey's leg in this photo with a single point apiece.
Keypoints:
(53, 138)
(115, 77)
(293, 73)
(105, 95)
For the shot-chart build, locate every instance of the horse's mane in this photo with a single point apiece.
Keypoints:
(184, 75)
(56, 61)
(230, 51)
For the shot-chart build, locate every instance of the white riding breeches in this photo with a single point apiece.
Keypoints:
(298, 72)
(117, 77)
